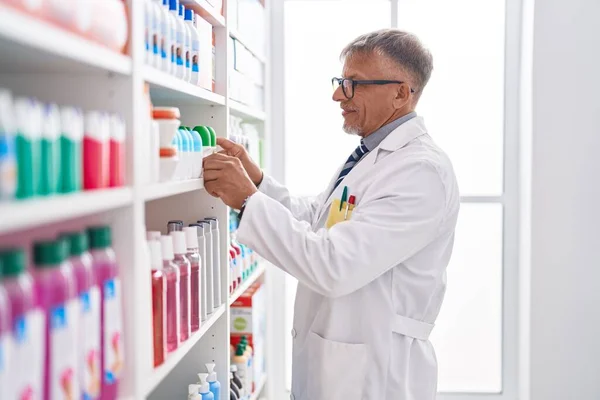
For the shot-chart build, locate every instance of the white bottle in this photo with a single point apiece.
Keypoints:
(189, 37)
(148, 15)
(174, 17)
(203, 279)
(179, 38)
(210, 281)
(165, 36)
(195, 55)
(214, 224)
(194, 392)
(156, 38)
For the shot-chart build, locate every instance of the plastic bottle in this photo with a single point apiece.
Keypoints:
(96, 151)
(172, 14)
(250, 355)
(203, 267)
(209, 267)
(234, 389)
(197, 147)
(188, 147)
(180, 250)
(214, 224)
(166, 36)
(8, 162)
(159, 309)
(111, 322)
(148, 31)
(117, 151)
(56, 292)
(205, 388)
(89, 314)
(194, 392)
(71, 154)
(171, 272)
(241, 362)
(191, 240)
(27, 147)
(179, 39)
(178, 144)
(187, 36)
(174, 225)
(214, 59)
(195, 56)
(5, 342)
(235, 380)
(214, 384)
(213, 136)
(50, 150)
(27, 322)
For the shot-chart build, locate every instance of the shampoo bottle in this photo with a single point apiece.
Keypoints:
(214, 384)
(88, 294)
(8, 162)
(171, 272)
(214, 225)
(27, 147)
(180, 259)
(27, 322)
(208, 266)
(191, 240)
(55, 288)
(205, 388)
(187, 33)
(5, 342)
(159, 298)
(50, 150)
(111, 322)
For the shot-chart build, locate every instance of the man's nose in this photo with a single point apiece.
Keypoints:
(338, 94)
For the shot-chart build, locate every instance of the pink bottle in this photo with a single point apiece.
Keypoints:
(171, 272)
(191, 239)
(117, 152)
(55, 287)
(111, 332)
(159, 301)
(180, 250)
(88, 294)
(27, 322)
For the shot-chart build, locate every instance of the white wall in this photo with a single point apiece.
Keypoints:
(564, 342)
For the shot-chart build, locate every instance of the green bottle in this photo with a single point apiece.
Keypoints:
(71, 161)
(50, 151)
(27, 147)
(205, 135)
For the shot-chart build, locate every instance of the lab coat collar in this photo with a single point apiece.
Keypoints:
(402, 135)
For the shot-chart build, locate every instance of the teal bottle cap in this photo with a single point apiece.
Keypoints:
(49, 253)
(100, 237)
(13, 262)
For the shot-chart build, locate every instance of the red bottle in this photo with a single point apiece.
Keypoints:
(96, 151)
(159, 306)
(117, 152)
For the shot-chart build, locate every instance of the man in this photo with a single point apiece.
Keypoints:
(371, 285)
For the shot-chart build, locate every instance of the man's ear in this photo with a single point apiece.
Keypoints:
(402, 96)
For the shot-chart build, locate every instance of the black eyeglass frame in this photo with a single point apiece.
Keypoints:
(340, 82)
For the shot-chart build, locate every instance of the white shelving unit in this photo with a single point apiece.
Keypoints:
(54, 65)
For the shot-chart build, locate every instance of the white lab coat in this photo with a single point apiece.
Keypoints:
(369, 288)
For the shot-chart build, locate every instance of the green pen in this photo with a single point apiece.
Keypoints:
(344, 196)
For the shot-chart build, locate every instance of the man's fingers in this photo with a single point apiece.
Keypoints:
(216, 161)
(211, 175)
(226, 144)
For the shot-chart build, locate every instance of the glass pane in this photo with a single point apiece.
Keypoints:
(468, 333)
(315, 34)
(463, 104)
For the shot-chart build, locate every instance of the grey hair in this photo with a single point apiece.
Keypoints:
(404, 48)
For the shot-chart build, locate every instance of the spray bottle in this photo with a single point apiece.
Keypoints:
(214, 384)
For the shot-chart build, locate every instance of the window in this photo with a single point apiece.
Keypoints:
(464, 109)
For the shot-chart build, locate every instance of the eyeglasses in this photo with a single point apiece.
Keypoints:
(348, 85)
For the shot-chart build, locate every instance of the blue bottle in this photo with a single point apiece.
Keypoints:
(214, 385)
(205, 388)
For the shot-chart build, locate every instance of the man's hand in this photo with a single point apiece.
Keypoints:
(238, 151)
(226, 178)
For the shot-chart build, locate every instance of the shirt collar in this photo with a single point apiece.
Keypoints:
(375, 138)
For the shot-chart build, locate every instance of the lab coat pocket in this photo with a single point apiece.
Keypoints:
(336, 215)
(336, 370)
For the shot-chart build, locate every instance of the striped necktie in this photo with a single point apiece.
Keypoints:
(352, 160)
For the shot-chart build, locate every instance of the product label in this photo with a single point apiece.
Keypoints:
(113, 335)
(4, 363)
(195, 55)
(173, 45)
(28, 355)
(179, 48)
(89, 342)
(63, 366)
(8, 172)
(163, 34)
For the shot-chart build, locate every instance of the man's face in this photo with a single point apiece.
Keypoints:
(372, 105)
